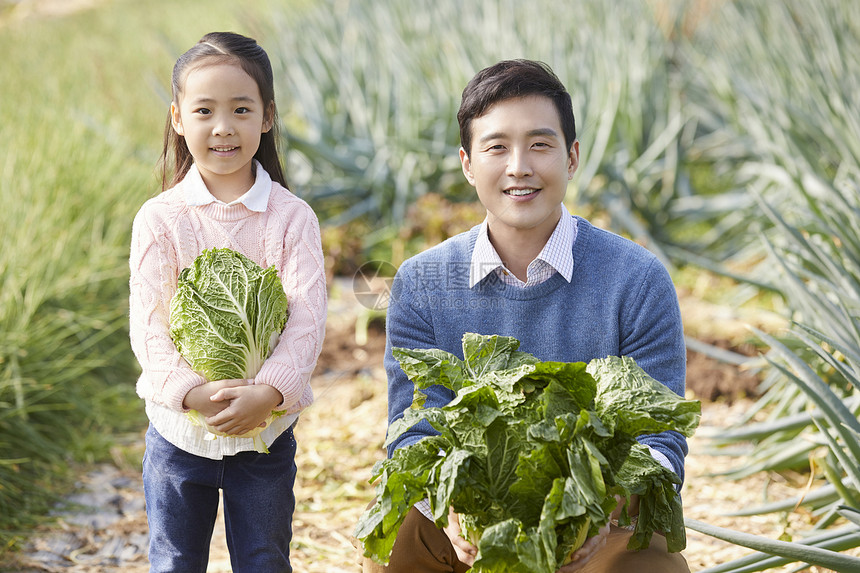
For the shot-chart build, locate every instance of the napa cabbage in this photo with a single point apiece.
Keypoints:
(531, 454)
(225, 319)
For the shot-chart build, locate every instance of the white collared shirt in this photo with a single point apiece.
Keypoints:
(555, 257)
(255, 199)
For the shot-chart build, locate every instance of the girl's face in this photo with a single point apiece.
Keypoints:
(221, 115)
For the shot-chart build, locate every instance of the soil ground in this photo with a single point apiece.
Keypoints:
(340, 438)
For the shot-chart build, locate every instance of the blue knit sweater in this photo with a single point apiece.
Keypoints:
(620, 302)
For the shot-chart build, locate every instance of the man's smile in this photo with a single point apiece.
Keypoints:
(520, 191)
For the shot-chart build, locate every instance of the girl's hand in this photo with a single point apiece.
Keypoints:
(247, 408)
(466, 552)
(198, 398)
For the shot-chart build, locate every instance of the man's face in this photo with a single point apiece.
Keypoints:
(520, 166)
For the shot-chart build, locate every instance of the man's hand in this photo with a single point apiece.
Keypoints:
(466, 552)
(247, 408)
(593, 544)
(584, 554)
(632, 509)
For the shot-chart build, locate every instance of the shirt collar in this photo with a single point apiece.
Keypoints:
(557, 252)
(255, 199)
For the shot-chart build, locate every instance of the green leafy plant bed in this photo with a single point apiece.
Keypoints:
(531, 454)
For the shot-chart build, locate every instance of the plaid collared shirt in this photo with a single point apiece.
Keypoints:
(555, 257)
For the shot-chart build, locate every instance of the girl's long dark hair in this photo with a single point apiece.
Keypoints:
(228, 47)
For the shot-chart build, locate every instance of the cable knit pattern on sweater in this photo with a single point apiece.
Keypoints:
(168, 235)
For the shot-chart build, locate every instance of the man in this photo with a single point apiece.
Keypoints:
(567, 290)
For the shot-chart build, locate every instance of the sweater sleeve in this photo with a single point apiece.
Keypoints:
(409, 324)
(652, 334)
(166, 377)
(302, 272)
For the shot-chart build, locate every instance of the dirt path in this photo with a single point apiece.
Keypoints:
(340, 438)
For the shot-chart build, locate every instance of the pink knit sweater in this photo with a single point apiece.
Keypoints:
(168, 234)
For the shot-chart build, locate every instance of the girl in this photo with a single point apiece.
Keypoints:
(223, 186)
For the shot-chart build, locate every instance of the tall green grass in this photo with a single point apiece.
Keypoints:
(786, 106)
(374, 98)
(80, 129)
(64, 368)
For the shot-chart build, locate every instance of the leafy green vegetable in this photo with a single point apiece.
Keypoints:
(227, 314)
(530, 454)
(225, 319)
(659, 506)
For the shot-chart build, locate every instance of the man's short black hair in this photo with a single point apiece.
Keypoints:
(511, 79)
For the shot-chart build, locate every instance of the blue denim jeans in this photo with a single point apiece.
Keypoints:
(181, 492)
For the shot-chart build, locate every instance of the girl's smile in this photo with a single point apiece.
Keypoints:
(222, 117)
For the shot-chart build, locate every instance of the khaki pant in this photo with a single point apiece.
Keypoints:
(421, 547)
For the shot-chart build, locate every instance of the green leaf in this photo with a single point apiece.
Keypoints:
(432, 366)
(401, 486)
(412, 416)
(505, 442)
(450, 481)
(508, 547)
(568, 387)
(659, 504)
(536, 472)
(488, 354)
(637, 403)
